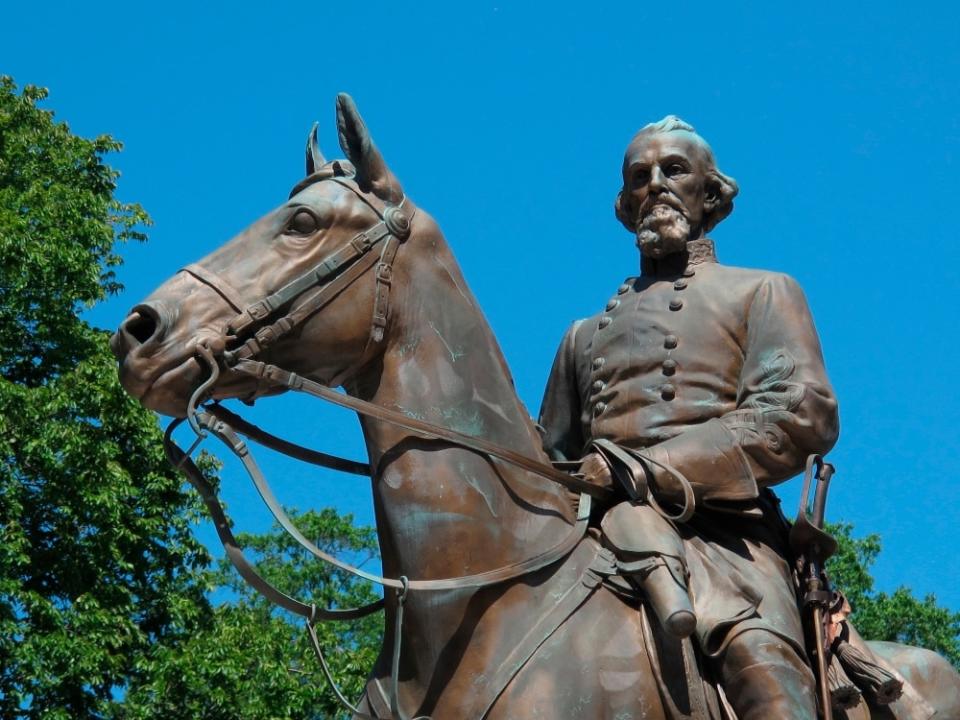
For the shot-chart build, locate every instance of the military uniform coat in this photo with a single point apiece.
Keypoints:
(718, 372)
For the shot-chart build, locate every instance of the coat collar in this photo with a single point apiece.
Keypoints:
(697, 252)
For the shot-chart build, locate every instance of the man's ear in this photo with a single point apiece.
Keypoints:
(719, 190)
(711, 195)
(373, 175)
(625, 211)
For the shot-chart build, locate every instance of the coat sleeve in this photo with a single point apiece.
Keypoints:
(785, 408)
(561, 407)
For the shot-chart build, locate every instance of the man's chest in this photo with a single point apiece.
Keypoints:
(663, 353)
(672, 326)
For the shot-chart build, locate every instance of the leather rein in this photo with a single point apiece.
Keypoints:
(257, 327)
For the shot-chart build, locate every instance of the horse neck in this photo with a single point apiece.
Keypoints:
(443, 365)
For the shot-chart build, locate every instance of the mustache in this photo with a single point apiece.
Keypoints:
(665, 199)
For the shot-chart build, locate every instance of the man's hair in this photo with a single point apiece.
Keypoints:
(668, 124)
(722, 186)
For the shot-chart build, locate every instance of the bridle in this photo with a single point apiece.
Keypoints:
(323, 282)
(259, 326)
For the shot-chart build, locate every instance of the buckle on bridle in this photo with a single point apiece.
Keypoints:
(361, 242)
(251, 315)
(384, 273)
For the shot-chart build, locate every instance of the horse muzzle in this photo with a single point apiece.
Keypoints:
(156, 370)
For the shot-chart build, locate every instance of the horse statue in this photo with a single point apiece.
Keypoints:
(497, 604)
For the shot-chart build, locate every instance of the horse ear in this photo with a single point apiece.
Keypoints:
(315, 158)
(373, 175)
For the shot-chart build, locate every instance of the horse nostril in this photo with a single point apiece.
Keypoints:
(141, 326)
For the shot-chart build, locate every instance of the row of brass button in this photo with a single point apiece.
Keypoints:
(669, 366)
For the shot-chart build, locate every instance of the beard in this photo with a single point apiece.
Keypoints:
(662, 231)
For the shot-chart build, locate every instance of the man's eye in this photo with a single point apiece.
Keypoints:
(675, 169)
(641, 177)
(303, 222)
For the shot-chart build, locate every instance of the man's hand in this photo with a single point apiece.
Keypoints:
(594, 470)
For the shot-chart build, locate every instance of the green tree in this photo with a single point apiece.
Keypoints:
(255, 661)
(97, 558)
(897, 616)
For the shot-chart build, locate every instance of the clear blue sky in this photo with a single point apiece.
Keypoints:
(508, 123)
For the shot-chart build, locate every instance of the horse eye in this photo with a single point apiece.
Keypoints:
(303, 222)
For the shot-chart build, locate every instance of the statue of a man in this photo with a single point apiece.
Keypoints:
(715, 371)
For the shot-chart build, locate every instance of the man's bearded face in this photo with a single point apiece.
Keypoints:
(665, 175)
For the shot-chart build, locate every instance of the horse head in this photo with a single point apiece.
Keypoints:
(342, 215)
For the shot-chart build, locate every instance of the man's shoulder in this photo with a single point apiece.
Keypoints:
(746, 272)
(579, 335)
(581, 331)
(748, 278)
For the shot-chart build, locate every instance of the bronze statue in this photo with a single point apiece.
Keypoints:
(717, 371)
(502, 600)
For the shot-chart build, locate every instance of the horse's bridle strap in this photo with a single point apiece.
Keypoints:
(298, 452)
(225, 434)
(359, 245)
(221, 286)
(375, 203)
(186, 465)
(332, 274)
(278, 376)
(309, 305)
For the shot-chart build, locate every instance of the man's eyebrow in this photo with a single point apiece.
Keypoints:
(675, 157)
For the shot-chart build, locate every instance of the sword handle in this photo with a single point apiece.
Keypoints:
(823, 477)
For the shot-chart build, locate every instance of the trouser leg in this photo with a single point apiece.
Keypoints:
(764, 677)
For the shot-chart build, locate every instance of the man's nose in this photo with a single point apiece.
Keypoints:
(656, 179)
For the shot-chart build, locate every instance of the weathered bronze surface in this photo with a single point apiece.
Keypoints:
(698, 382)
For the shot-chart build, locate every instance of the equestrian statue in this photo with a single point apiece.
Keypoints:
(625, 557)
